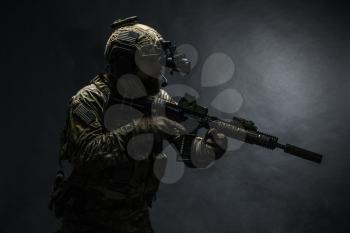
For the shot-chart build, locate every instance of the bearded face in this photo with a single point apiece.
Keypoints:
(150, 70)
(143, 80)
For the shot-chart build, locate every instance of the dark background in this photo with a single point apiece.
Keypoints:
(292, 63)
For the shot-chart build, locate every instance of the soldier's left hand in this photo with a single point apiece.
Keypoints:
(218, 141)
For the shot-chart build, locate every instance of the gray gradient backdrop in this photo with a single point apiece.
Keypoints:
(292, 65)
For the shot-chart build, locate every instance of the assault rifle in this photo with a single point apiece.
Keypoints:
(237, 128)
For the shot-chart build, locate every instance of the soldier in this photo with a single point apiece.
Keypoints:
(111, 188)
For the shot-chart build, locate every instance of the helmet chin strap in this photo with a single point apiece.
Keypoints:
(165, 81)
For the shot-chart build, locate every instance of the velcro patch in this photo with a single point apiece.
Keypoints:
(128, 36)
(84, 114)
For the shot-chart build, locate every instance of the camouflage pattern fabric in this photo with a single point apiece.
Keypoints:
(108, 191)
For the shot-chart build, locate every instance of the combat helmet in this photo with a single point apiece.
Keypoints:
(133, 44)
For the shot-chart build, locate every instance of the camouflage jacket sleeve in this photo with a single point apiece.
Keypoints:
(87, 140)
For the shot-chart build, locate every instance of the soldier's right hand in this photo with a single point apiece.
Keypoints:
(160, 125)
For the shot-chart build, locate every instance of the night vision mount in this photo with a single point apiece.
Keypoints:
(174, 60)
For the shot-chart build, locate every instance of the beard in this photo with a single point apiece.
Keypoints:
(133, 86)
(152, 85)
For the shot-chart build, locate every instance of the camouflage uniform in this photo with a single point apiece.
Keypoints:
(109, 190)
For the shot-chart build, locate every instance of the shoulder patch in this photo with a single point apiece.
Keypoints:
(84, 114)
